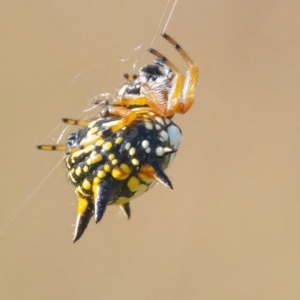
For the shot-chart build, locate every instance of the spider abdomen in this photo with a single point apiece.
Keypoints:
(131, 159)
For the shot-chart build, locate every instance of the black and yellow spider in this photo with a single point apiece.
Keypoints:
(124, 152)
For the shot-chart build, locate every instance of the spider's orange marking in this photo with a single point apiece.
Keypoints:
(127, 115)
(146, 172)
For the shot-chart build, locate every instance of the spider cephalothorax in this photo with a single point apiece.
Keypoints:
(124, 152)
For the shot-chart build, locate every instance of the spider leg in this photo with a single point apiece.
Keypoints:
(63, 147)
(127, 115)
(75, 122)
(127, 100)
(52, 147)
(188, 90)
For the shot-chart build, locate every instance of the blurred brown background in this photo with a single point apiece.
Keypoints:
(230, 229)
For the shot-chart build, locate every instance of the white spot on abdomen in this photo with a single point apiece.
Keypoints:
(175, 139)
(175, 136)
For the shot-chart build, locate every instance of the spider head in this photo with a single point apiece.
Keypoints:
(147, 73)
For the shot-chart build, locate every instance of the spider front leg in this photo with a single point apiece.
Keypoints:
(188, 90)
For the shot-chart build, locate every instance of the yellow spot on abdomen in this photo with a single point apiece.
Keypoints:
(101, 174)
(93, 130)
(132, 151)
(76, 154)
(133, 184)
(96, 183)
(86, 184)
(106, 168)
(121, 200)
(107, 146)
(135, 162)
(97, 158)
(100, 142)
(125, 168)
(96, 180)
(78, 171)
(114, 162)
(111, 156)
(82, 205)
(88, 149)
(119, 140)
(121, 173)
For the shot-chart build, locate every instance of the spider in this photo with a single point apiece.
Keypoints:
(124, 151)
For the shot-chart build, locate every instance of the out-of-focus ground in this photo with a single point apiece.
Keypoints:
(230, 228)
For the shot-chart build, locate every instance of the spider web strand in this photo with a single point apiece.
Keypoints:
(14, 214)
